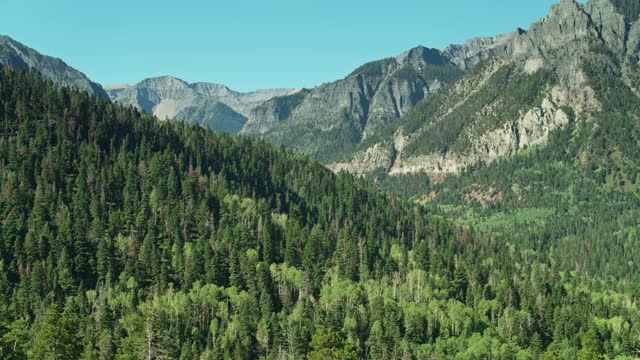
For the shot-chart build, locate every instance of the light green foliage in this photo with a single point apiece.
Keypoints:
(184, 244)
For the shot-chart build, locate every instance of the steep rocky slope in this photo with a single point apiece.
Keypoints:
(204, 103)
(330, 119)
(533, 85)
(19, 57)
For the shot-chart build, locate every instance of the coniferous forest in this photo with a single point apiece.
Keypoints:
(125, 237)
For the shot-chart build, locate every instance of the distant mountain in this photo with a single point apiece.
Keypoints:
(213, 115)
(113, 90)
(19, 57)
(213, 105)
(329, 119)
(536, 83)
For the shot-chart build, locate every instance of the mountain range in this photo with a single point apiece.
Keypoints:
(211, 105)
(484, 202)
(323, 121)
(511, 101)
(399, 114)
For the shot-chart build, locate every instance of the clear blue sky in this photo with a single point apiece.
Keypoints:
(249, 44)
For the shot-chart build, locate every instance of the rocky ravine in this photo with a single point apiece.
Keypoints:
(559, 43)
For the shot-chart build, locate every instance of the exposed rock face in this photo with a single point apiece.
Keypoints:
(169, 98)
(20, 57)
(332, 117)
(328, 120)
(559, 44)
(473, 51)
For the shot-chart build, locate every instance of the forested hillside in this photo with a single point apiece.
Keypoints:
(124, 237)
(576, 196)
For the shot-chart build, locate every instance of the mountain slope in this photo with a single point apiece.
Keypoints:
(332, 118)
(213, 115)
(510, 102)
(128, 237)
(168, 97)
(20, 57)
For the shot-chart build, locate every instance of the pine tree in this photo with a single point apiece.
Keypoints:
(54, 339)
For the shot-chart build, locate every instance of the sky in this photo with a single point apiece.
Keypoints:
(249, 44)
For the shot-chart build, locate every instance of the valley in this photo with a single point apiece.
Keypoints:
(481, 201)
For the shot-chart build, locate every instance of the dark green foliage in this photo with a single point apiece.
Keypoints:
(629, 8)
(445, 73)
(326, 344)
(507, 91)
(124, 237)
(515, 92)
(321, 145)
(405, 186)
(374, 68)
(407, 73)
(215, 116)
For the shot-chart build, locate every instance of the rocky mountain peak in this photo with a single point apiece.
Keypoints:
(421, 55)
(571, 28)
(212, 89)
(476, 49)
(163, 82)
(20, 57)
(210, 104)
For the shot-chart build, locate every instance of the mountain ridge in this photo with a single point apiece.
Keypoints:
(20, 57)
(334, 117)
(512, 101)
(167, 97)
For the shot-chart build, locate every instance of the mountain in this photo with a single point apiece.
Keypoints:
(212, 105)
(514, 99)
(113, 90)
(537, 144)
(127, 237)
(20, 57)
(328, 120)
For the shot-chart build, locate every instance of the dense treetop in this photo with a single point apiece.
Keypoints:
(125, 237)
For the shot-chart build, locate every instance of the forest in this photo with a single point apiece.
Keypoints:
(126, 237)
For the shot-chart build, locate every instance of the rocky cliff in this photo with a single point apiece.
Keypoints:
(532, 83)
(20, 57)
(329, 120)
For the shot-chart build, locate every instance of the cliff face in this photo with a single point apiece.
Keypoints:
(531, 84)
(327, 120)
(20, 57)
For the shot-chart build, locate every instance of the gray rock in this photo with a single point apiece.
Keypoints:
(326, 120)
(560, 44)
(20, 57)
(475, 50)
(167, 97)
